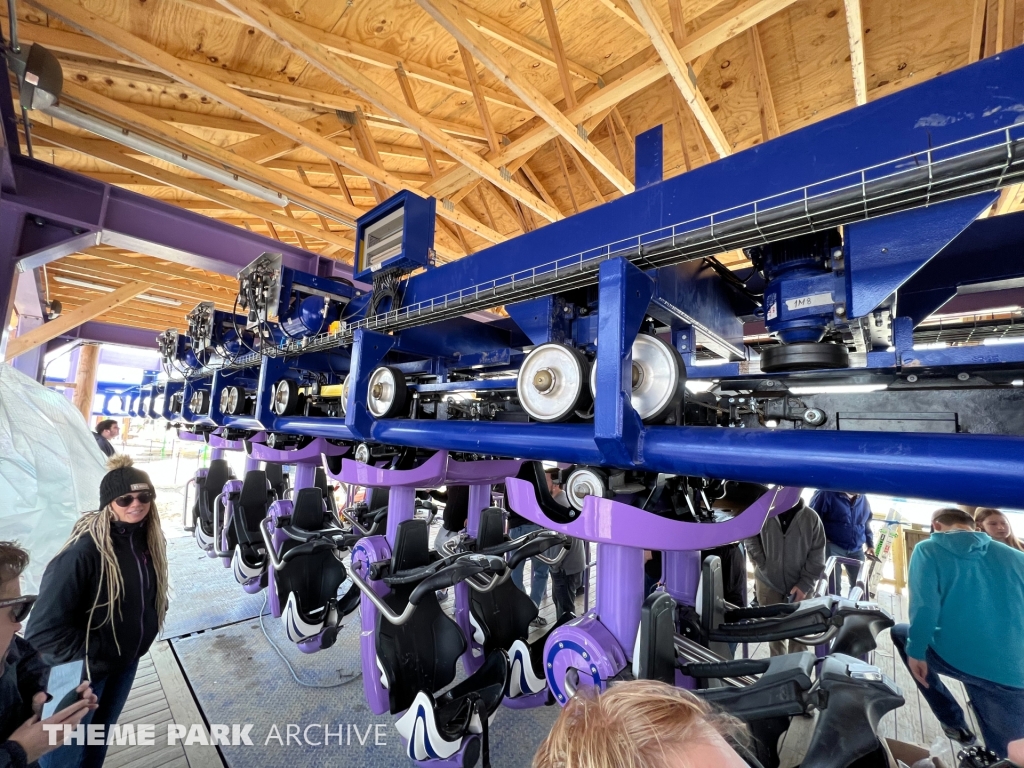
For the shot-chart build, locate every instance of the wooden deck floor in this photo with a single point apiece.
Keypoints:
(160, 695)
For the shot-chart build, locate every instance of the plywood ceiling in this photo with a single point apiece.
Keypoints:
(475, 101)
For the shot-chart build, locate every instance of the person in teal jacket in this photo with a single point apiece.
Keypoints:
(966, 622)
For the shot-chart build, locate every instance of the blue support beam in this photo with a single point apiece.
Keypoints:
(625, 295)
(820, 156)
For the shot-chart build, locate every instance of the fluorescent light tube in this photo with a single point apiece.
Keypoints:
(110, 289)
(160, 152)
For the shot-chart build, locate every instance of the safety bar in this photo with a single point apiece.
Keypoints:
(718, 669)
(217, 533)
(692, 652)
(268, 539)
(184, 511)
(396, 619)
(355, 523)
(831, 564)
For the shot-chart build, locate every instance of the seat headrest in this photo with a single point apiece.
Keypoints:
(320, 481)
(220, 473)
(308, 511)
(492, 528)
(377, 498)
(254, 489)
(275, 473)
(456, 508)
(412, 546)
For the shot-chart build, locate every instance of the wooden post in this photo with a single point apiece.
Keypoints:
(85, 380)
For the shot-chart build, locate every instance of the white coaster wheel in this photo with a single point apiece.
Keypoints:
(199, 403)
(658, 377)
(232, 400)
(386, 392)
(285, 397)
(583, 482)
(552, 382)
(345, 386)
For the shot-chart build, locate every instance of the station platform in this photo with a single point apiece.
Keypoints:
(214, 664)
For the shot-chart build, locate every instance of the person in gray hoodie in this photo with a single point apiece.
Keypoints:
(788, 557)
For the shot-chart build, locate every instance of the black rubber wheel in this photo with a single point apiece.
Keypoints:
(807, 356)
(285, 407)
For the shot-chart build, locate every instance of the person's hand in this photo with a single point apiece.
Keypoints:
(798, 594)
(34, 739)
(1015, 750)
(38, 701)
(919, 669)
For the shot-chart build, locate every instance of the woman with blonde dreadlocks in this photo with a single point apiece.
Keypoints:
(103, 599)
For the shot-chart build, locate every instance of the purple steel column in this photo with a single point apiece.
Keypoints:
(680, 570)
(620, 592)
(218, 453)
(251, 464)
(479, 500)
(401, 507)
(305, 476)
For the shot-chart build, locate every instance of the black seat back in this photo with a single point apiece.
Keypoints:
(657, 638)
(208, 489)
(422, 654)
(506, 611)
(251, 508)
(313, 578)
(309, 512)
(320, 481)
(275, 476)
(533, 473)
(712, 608)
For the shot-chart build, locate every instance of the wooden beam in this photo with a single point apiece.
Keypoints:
(447, 14)
(555, 37)
(701, 44)
(368, 151)
(855, 31)
(977, 31)
(410, 100)
(621, 9)
(103, 271)
(481, 106)
(100, 59)
(340, 178)
(538, 185)
(292, 38)
(520, 42)
(85, 380)
(366, 54)
(68, 320)
(677, 110)
(679, 71)
(171, 270)
(1009, 199)
(181, 140)
(609, 123)
(565, 175)
(111, 34)
(675, 13)
(109, 153)
(765, 103)
(587, 179)
(270, 144)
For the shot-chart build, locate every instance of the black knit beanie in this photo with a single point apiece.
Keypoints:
(123, 478)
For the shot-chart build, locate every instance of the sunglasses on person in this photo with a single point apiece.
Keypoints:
(126, 501)
(20, 606)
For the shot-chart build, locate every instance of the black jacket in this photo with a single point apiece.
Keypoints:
(58, 621)
(24, 675)
(104, 444)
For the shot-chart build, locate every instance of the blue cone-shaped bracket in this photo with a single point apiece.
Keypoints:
(625, 294)
(883, 253)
